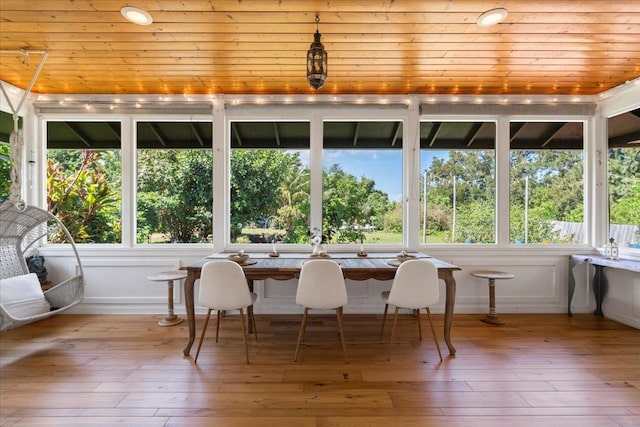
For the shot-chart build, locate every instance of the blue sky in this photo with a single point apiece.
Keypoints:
(382, 166)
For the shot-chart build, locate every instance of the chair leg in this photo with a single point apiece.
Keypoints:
(419, 323)
(433, 331)
(393, 331)
(206, 323)
(252, 318)
(244, 335)
(303, 326)
(218, 324)
(384, 320)
(344, 347)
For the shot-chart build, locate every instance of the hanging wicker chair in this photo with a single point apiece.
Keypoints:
(20, 229)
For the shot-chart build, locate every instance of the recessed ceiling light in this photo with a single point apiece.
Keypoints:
(135, 15)
(492, 17)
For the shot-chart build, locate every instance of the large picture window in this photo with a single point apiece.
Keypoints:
(174, 190)
(84, 179)
(546, 182)
(269, 182)
(457, 182)
(623, 165)
(362, 182)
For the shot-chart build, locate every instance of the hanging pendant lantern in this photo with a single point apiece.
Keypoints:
(316, 61)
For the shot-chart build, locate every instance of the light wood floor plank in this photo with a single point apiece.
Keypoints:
(537, 370)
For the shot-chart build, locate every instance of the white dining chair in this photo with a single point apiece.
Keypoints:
(321, 286)
(223, 287)
(414, 287)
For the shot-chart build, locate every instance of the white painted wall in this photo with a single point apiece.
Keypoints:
(119, 284)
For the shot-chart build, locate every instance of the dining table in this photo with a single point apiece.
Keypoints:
(286, 266)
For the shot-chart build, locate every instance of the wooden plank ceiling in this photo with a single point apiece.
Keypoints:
(375, 46)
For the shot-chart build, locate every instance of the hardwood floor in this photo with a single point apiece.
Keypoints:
(104, 370)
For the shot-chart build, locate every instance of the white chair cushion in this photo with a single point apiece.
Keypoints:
(22, 296)
(415, 286)
(321, 285)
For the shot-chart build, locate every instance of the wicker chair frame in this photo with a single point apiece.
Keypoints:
(20, 229)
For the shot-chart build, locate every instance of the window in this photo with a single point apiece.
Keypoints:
(84, 179)
(546, 182)
(6, 127)
(269, 182)
(174, 189)
(362, 182)
(457, 182)
(5, 166)
(623, 166)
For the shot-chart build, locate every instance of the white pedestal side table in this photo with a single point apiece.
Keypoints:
(169, 276)
(492, 317)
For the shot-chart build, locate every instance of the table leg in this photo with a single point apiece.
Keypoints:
(250, 324)
(189, 284)
(600, 287)
(450, 283)
(572, 284)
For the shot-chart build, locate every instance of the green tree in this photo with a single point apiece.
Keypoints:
(260, 181)
(294, 207)
(472, 173)
(554, 181)
(82, 195)
(350, 202)
(175, 194)
(624, 186)
(5, 177)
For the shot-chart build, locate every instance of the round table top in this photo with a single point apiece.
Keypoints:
(492, 274)
(165, 276)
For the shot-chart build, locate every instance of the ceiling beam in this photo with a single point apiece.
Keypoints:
(433, 135)
(551, 132)
(355, 134)
(236, 134)
(627, 138)
(197, 134)
(115, 129)
(277, 133)
(396, 133)
(156, 132)
(515, 128)
(77, 132)
(473, 132)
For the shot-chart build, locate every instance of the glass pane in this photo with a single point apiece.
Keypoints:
(269, 182)
(457, 182)
(84, 170)
(174, 197)
(5, 176)
(546, 183)
(362, 182)
(6, 128)
(624, 179)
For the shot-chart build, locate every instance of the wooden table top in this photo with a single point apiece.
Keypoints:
(288, 265)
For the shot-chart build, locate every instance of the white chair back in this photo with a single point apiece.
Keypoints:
(415, 285)
(223, 286)
(321, 285)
